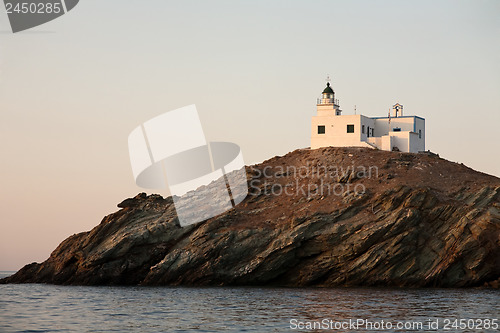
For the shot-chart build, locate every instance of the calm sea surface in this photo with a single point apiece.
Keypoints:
(47, 308)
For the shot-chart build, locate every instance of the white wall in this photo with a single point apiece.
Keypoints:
(336, 131)
(407, 140)
(369, 124)
(387, 142)
(420, 126)
(415, 144)
(401, 140)
(327, 110)
(382, 126)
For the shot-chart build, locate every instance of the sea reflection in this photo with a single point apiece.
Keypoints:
(44, 308)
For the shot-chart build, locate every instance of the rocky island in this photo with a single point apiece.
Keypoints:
(326, 217)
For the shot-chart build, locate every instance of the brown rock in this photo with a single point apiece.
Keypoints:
(419, 230)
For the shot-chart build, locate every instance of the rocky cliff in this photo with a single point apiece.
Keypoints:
(325, 217)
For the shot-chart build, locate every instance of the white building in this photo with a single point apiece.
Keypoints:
(395, 132)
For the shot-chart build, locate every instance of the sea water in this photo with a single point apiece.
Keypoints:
(50, 308)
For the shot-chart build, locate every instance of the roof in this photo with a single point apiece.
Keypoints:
(328, 89)
(398, 117)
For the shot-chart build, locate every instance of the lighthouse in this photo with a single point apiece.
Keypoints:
(327, 102)
(330, 128)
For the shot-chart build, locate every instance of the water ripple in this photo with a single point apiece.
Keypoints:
(46, 308)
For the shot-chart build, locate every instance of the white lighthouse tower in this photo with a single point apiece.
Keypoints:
(327, 104)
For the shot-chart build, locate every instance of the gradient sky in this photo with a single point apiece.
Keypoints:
(72, 90)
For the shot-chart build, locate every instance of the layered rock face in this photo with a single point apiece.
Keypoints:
(326, 217)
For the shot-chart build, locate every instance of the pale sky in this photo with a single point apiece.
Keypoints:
(73, 89)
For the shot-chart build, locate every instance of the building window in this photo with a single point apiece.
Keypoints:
(420, 134)
(363, 129)
(396, 129)
(321, 129)
(350, 128)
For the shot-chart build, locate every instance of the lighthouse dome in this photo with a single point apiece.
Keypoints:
(328, 89)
